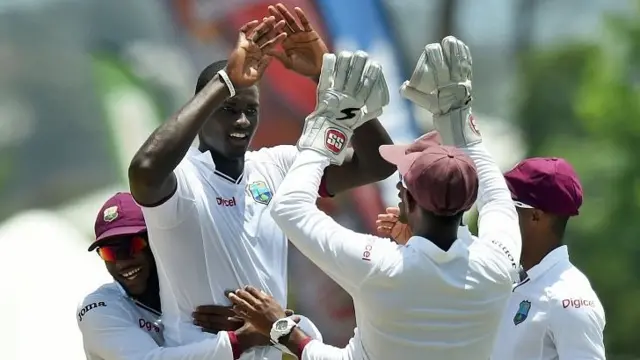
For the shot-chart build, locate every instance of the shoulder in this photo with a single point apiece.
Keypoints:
(280, 155)
(572, 299)
(106, 300)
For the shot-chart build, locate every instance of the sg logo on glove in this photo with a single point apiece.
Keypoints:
(335, 140)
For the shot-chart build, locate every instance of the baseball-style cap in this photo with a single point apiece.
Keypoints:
(547, 184)
(119, 216)
(442, 179)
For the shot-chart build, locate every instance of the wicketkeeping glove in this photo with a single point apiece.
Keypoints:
(351, 91)
(441, 83)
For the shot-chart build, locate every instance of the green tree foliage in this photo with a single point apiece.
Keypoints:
(582, 102)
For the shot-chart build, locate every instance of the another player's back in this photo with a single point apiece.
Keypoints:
(216, 231)
(442, 306)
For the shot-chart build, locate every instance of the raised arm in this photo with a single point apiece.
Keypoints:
(346, 256)
(347, 83)
(151, 176)
(302, 53)
(441, 83)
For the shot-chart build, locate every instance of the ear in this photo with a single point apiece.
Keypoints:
(536, 215)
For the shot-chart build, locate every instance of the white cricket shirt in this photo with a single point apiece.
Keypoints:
(215, 234)
(114, 326)
(415, 301)
(552, 314)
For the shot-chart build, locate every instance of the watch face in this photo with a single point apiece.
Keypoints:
(282, 325)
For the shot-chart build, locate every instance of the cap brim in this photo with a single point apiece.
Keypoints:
(120, 231)
(396, 155)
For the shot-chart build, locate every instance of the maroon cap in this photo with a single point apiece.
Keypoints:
(547, 184)
(442, 179)
(423, 142)
(119, 216)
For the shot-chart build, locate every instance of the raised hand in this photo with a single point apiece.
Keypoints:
(250, 58)
(351, 91)
(302, 49)
(389, 225)
(441, 83)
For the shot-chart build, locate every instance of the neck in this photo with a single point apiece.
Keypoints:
(441, 237)
(151, 296)
(533, 257)
(230, 166)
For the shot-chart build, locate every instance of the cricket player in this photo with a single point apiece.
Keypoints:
(121, 320)
(437, 296)
(553, 312)
(207, 209)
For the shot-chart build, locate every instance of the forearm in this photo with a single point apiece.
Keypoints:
(491, 184)
(364, 165)
(299, 341)
(366, 141)
(169, 143)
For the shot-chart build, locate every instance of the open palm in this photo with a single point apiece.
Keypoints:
(302, 50)
(249, 59)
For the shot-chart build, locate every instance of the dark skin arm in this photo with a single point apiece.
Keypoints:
(151, 176)
(363, 163)
(261, 311)
(302, 52)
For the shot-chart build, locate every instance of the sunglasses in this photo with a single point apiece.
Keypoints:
(122, 250)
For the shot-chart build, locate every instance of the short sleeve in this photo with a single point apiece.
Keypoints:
(577, 326)
(180, 205)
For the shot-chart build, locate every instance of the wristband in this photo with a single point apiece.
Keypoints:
(223, 75)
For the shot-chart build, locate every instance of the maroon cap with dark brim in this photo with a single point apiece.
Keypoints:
(119, 216)
(441, 179)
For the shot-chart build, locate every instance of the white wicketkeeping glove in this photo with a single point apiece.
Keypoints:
(441, 83)
(351, 91)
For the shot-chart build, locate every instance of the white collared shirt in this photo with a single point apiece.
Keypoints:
(216, 234)
(415, 301)
(116, 327)
(552, 314)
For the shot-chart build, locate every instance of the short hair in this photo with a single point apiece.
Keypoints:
(448, 220)
(208, 73)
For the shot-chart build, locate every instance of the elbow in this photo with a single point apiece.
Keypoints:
(379, 170)
(141, 169)
(383, 171)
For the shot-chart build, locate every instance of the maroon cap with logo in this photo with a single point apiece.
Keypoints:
(547, 184)
(119, 216)
(442, 179)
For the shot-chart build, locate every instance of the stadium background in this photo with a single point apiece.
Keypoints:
(82, 83)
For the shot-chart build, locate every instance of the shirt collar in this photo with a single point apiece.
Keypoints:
(457, 249)
(557, 255)
(203, 157)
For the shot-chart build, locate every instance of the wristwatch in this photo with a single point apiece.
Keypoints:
(281, 328)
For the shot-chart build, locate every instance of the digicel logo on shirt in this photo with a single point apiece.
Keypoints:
(226, 202)
(576, 303)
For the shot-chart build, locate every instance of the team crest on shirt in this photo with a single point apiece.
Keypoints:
(522, 313)
(260, 192)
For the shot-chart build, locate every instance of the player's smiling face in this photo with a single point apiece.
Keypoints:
(132, 267)
(230, 128)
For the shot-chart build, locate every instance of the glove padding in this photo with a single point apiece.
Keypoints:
(351, 91)
(441, 83)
